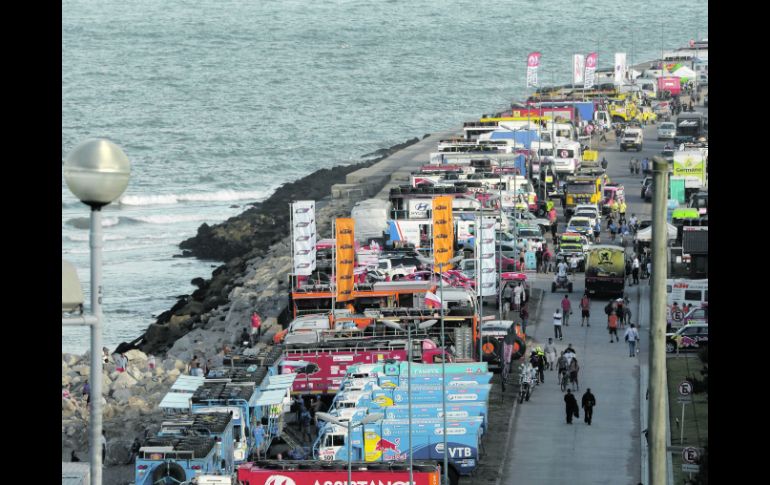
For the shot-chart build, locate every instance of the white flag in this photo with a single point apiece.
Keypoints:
(578, 65)
(591, 61)
(620, 67)
(533, 62)
(303, 233)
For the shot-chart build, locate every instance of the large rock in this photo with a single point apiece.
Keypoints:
(136, 355)
(123, 381)
(122, 395)
(83, 370)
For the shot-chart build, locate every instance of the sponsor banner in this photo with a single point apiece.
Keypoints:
(304, 236)
(620, 67)
(346, 257)
(691, 165)
(443, 232)
(247, 474)
(418, 208)
(485, 246)
(592, 60)
(533, 62)
(578, 68)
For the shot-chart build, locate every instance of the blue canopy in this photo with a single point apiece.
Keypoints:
(522, 137)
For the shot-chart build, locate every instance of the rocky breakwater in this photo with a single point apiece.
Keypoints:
(129, 404)
(256, 248)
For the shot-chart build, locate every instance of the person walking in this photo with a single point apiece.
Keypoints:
(571, 406)
(538, 259)
(574, 368)
(588, 401)
(550, 353)
(546, 259)
(557, 324)
(517, 291)
(620, 311)
(135, 447)
(635, 265)
(524, 314)
(566, 308)
(585, 310)
(631, 336)
(256, 328)
(628, 270)
(87, 392)
(597, 231)
(612, 326)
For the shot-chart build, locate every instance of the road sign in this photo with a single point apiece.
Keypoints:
(687, 468)
(690, 454)
(685, 388)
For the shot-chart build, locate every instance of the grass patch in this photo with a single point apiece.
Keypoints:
(680, 368)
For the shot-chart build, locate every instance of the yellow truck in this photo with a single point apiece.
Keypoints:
(582, 189)
(605, 270)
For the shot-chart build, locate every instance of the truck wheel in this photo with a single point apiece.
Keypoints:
(519, 348)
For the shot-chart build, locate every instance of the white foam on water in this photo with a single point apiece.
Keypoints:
(219, 196)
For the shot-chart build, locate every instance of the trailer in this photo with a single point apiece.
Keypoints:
(321, 369)
(387, 440)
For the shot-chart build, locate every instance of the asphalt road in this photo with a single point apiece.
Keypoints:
(543, 448)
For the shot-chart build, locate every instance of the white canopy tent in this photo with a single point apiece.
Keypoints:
(645, 235)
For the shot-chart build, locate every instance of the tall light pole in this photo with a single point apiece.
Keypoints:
(657, 380)
(369, 418)
(443, 358)
(409, 325)
(97, 172)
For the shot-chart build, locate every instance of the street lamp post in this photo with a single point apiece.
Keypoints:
(409, 325)
(443, 359)
(97, 172)
(369, 418)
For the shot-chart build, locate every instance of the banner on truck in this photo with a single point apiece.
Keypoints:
(346, 258)
(578, 68)
(304, 236)
(485, 250)
(620, 67)
(443, 232)
(592, 60)
(533, 62)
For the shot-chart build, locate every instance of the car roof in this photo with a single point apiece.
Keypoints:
(580, 218)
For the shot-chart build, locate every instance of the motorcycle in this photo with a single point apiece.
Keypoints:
(561, 282)
(526, 382)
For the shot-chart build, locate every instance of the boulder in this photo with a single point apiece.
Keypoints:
(136, 355)
(118, 452)
(172, 374)
(69, 359)
(122, 395)
(123, 381)
(83, 370)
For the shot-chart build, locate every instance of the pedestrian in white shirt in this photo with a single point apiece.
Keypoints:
(631, 336)
(557, 321)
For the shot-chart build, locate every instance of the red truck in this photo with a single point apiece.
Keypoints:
(330, 473)
(321, 368)
(671, 84)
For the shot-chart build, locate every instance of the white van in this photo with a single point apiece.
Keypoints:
(649, 86)
(684, 292)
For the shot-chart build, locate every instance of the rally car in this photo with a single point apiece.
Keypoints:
(690, 337)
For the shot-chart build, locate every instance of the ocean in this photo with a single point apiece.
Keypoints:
(218, 103)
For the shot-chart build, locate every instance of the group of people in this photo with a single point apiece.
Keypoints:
(643, 166)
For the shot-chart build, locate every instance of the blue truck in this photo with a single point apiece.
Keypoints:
(171, 460)
(429, 410)
(399, 368)
(387, 440)
(389, 382)
(217, 425)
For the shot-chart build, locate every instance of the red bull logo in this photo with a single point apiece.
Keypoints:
(384, 444)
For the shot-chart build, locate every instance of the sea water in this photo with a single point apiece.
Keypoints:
(219, 102)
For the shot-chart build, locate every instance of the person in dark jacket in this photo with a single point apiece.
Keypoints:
(571, 407)
(589, 401)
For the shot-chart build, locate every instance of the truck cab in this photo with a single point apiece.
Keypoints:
(632, 138)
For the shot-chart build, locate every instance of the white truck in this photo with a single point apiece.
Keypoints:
(632, 138)
(386, 267)
(567, 157)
